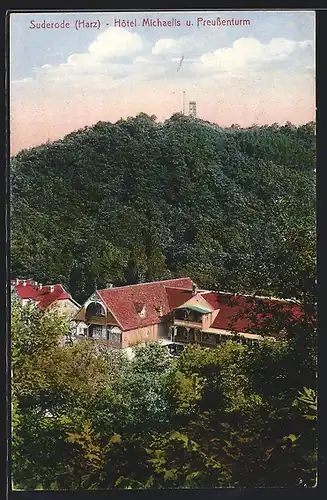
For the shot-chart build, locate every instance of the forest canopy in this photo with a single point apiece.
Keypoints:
(140, 200)
(88, 417)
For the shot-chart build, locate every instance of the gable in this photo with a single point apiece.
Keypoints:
(95, 298)
(197, 303)
(151, 296)
(177, 296)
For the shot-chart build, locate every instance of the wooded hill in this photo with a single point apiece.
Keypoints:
(140, 200)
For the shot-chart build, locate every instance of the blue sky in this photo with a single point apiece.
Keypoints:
(50, 69)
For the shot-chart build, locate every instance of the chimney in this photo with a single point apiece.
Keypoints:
(194, 288)
(40, 286)
(35, 284)
(17, 282)
(24, 282)
(51, 288)
(109, 285)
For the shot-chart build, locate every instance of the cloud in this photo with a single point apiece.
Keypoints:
(187, 59)
(111, 44)
(168, 46)
(115, 42)
(141, 59)
(250, 52)
(118, 56)
(175, 46)
(109, 58)
(23, 80)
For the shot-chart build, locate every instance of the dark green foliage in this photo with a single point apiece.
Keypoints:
(91, 418)
(137, 201)
(140, 200)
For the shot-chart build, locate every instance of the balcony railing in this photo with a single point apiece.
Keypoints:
(187, 323)
(96, 320)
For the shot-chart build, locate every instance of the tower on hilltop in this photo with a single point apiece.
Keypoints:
(192, 108)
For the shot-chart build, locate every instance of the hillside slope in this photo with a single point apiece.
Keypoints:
(140, 200)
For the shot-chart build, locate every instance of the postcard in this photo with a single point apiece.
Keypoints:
(162, 250)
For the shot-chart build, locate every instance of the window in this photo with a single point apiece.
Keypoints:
(95, 309)
(206, 337)
(114, 337)
(180, 314)
(181, 333)
(85, 331)
(96, 331)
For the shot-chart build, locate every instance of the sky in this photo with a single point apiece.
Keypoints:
(244, 67)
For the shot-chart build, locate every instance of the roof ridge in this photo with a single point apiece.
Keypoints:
(146, 283)
(178, 288)
(56, 284)
(239, 294)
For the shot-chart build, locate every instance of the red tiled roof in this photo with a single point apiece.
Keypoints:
(229, 307)
(212, 298)
(42, 296)
(236, 311)
(46, 297)
(27, 291)
(120, 301)
(178, 296)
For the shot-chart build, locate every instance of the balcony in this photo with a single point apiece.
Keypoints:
(187, 318)
(95, 313)
(187, 335)
(186, 323)
(96, 320)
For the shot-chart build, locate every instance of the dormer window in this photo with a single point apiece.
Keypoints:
(143, 312)
(140, 309)
(160, 310)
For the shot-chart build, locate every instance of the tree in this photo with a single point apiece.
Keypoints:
(228, 205)
(53, 387)
(141, 200)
